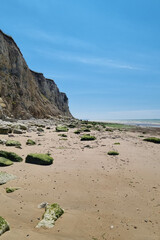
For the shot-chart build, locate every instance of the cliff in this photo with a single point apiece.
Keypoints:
(24, 93)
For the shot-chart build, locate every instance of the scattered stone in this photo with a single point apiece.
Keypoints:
(152, 139)
(30, 142)
(10, 190)
(52, 213)
(17, 131)
(61, 129)
(23, 127)
(77, 131)
(39, 158)
(11, 156)
(4, 226)
(42, 205)
(4, 162)
(2, 141)
(87, 137)
(5, 177)
(13, 143)
(113, 153)
(39, 129)
(4, 130)
(62, 135)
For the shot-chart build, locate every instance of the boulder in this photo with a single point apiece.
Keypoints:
(4, 162)
(11, 156)
(61, 129)
(39, 158)
(5, 177)
(13, 143)
(87, 137)
(52, 213)
(4, 226)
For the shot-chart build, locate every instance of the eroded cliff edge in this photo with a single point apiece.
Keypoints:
(24, 93)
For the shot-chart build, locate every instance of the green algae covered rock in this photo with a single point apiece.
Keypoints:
(10, 190)
(11, 156)
(13, 143)
(87, 137)
(113, 153)
(5, 177)
(30, 142)
(4, 130)
(39, 158)
(78, 131)
(4, 226)
(61, 129)
(52, 213)
(152, 139)
(4, 162)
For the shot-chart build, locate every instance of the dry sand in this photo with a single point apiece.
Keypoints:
(104, 197)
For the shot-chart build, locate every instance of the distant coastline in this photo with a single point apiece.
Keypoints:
(135, 122)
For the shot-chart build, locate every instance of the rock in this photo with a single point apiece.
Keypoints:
(11, 156)
(42, 205)
(113, 153)
(23, 127)
(4, 130)
(39, 158)
(77, 131)
(4, 162)
(10, 190)
(17, 131)
(39, 129)
(13, 143)
(4, 226)
(152, 139)
(87, 137)
(52, 213)
(30, 142)
(61, 129)
(5, 177)
(2, 141)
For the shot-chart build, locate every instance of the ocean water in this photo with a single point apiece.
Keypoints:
(139, 122)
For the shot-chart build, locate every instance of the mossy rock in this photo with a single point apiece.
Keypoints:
(116, 143)
(11, 156)
(62, 135)
(5, 177)
(30, 142)
(39, 158)
(109, 130)
(85, 129)
(152, 139)
(52, 213)
(113, 153)
(39, 129)
(61, 129)
(10, 190)
(87, 137)
(13, 143)
(4, 162)
(71, 125)
(17, 131)
(23, 127)
(77, 131)
(4, 226)
(4, 130)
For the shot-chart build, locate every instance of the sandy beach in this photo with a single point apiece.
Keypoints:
(104, 197)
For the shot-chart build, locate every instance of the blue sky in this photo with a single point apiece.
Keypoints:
(104, 54)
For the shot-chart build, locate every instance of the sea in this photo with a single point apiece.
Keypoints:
(138, 122)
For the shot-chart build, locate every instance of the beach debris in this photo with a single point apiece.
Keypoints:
(4, 162)
(61, 129)
(5, 177)
(13, 143)
(43, 205)
(4, 226)
(113, 153)
(10, 190)
(11, 156)
(152, 139)
(39, 158)
(30, 142)
(52, 213)
(87, 137)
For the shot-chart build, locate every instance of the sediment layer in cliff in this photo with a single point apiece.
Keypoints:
(25, 93)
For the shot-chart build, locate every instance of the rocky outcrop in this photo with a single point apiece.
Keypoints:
(25, 93)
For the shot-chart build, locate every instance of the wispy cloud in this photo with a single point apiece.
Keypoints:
(87, 60)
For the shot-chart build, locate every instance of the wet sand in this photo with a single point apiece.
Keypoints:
(104, 197)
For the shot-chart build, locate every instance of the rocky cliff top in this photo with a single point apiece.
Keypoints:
(23, 92)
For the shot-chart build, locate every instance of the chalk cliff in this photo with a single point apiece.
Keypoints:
(25, 93)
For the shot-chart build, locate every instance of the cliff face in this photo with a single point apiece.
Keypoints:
(24, 93)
